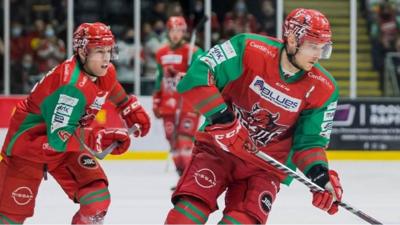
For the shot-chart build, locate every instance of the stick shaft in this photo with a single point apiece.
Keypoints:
(313, 186)
(193, 37)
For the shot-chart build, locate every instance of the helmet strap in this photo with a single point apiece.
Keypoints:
(82, 66)
(291, 56)
(176, 45)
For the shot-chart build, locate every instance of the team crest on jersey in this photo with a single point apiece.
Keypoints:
(262, 125)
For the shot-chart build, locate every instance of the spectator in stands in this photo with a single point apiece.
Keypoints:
(125, 63)
(157, 13)
(34, 36)
(50, 50)
(194, 18)
(388, 27)
(24, 73)
(384, 30)
(174, 9)
(267, 18)
(152, 43)
(196, 14)
(396, 60)
(240, 20)
(18, 43)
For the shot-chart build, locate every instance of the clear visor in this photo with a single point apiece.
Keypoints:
(101, 52)
(322, 51)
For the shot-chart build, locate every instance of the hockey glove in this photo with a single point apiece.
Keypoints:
(326, 200)
(102, 138)
(156, 104)
(133, 113)
(231, 137)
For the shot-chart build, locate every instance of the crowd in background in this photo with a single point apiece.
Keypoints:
(383, 19)
(38, 32)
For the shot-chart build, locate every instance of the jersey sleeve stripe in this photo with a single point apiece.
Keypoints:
(207, 101)
(304, 159)
(213, 108)
(29, 122)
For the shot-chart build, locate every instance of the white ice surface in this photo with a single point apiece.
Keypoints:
(140, 192)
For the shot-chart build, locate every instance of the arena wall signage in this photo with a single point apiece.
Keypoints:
(366, 125)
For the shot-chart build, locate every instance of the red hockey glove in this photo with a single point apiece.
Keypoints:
(133, 113)
(102, 138)
(327, 200)
(156, 104)
(231, 137)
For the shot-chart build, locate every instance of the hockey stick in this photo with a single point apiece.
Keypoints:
(193, 37)
(110, 148)
(303, 179)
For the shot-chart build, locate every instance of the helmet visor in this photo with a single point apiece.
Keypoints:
(322, 51)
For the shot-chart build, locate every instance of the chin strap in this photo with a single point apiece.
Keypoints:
(291, 58)
(177, 45)
(81, 64)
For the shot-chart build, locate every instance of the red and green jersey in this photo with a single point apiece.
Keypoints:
(172, 64)
(283, 114)
(63, 100)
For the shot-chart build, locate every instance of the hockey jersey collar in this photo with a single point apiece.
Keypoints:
(289, 79)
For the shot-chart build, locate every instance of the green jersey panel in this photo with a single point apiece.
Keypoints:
(62, 111)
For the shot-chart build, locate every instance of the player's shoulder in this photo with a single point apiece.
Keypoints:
(62, 73)
(186, 46)
(257, 47)
(323, 88)
(163, 49)
(248, 38)
(60, 79)
(257, 50)
(321, 77)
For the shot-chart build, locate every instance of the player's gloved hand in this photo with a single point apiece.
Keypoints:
(231, 137)
(102, 138)
(133, 113)
(329, 180)
(156, 104)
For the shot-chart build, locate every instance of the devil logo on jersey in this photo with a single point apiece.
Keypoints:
(261, 124)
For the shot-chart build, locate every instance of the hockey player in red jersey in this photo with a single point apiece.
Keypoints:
(179, 118)
(49, 131)
(259, 94)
